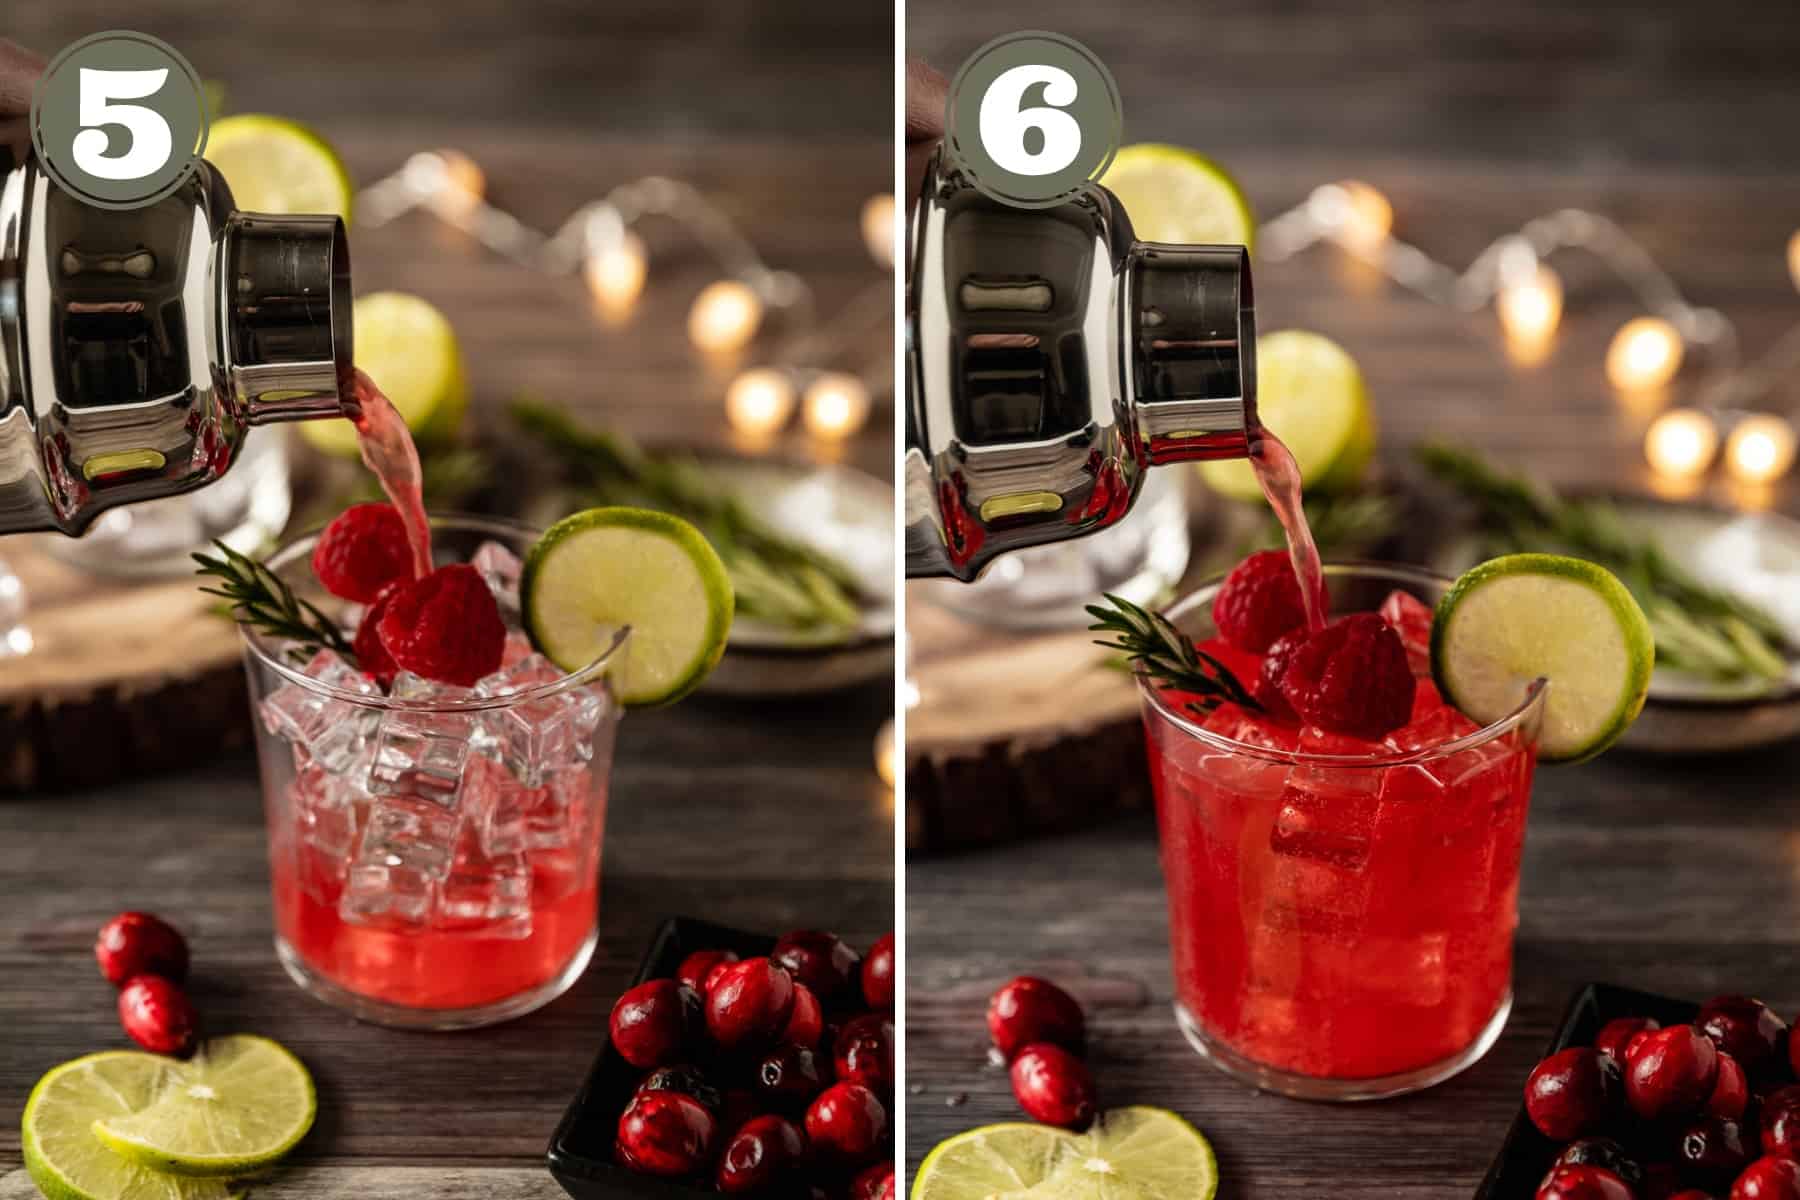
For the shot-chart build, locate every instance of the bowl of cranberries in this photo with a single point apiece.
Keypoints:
(1642, 1097)
(740, 1064)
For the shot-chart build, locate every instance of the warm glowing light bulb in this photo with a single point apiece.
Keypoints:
(1530, 309)
(1760, 448)
(453, 182)
(878, 229)
(725, 316)
(836, 405)
(616, 274)
(1681, 442)
(886, 757)
(1794, 259)
(1645, 353)
(759, 402)
(1354, 212)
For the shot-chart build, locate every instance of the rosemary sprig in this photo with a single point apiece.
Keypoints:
(777, 578)
(1698, 627)
(257, 596)
(1169, 655)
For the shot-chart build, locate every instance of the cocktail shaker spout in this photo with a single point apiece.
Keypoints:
(138, 347)
(1052, 359)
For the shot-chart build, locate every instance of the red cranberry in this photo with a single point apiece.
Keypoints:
(1635, 1044)
(807, 1024)
(1768, 1178)
(157, 1015)
(878, 974)
(665, 1133)
(1583, 1183)
(1573, 1092)
(1053, 1086)
(788, 1077)
(823, 962)
(697, 966)
(651, 1024)
(1618, 1032)
(1781, 1122)
(864, 1052)
(686, 1079)
(1602, 1152)
(1672, 1074)
(749, 1003)
(762, 1155)
(876, 1183)
(1029, 1010)
(1714, 1148)
(1731, 1095)
(137, 943)
(1744, 1028)
(847, 1124)
(716, 973)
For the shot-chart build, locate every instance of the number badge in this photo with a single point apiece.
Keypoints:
(1033, 118)
(119, 119)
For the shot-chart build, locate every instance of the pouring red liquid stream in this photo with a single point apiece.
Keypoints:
(387, 450)
(1279, 476)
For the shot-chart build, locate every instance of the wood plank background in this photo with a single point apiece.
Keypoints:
(782, 111)
(1683, 877)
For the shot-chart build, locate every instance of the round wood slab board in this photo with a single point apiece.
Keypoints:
(1015, 735)
(124, 677)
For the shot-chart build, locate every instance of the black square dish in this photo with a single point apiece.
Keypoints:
(1525, 1156)
(581, 1151)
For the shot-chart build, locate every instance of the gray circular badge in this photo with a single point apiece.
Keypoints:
(119, 119)
(1033, 117)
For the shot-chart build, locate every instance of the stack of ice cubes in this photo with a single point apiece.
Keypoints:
(410, 819)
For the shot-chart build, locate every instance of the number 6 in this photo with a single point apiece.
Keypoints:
(151, 138)
(1003, 122)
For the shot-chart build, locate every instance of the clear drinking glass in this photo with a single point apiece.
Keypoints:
(434, 852)
(1341, 914)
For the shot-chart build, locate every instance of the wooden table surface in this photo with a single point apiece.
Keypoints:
(782, 113)
(1680, 877)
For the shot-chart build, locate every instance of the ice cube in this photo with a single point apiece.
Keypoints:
(537, 737)
(500, 568)
(1407, 615)
(387, 897)
(332, 732)
(486, 895)
(327, 810)
(1327, 813)
(411, 833)
(420, 753)
(1437, 727)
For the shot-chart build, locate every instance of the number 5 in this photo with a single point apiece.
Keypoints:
(1003, 122)
(151, 138)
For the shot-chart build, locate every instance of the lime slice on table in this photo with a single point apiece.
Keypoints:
(1130, 1154)
(278, 166)
(237, 1106)
(1310, 394)
(64, 1157)
(1176, 195)
(409, 349)
(1529, 616)
(599, 570)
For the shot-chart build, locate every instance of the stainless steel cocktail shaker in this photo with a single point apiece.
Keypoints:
(1052, 359)
(137, 347)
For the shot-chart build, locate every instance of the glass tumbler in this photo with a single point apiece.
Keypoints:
(434, 852)
(1341, 913)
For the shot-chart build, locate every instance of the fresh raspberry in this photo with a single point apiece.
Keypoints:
(1351, 677)
(362, 551)
(371, 655)
(445, 626)
(1258, 602)
(1266, 689)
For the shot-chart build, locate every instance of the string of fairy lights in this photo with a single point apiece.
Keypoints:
(1732, 407)
(600, 242)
